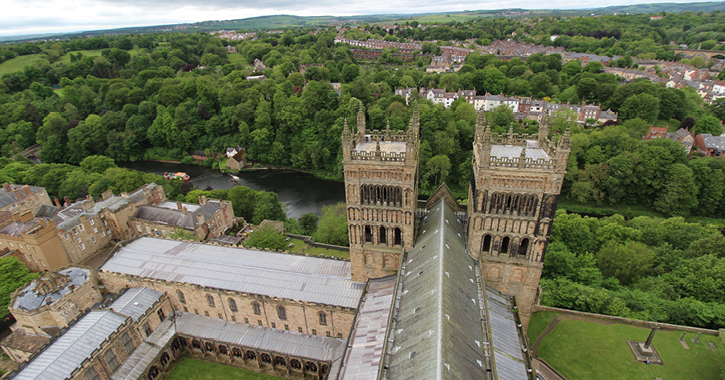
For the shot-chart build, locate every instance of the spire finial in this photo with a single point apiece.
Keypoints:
(361, 120)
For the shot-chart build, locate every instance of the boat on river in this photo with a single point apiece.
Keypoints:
(179, 176)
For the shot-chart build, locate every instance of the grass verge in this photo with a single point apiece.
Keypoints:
(193, 369)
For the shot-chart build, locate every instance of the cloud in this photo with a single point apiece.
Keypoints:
(45, 16)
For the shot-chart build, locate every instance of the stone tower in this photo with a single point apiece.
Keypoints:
(512, 199)
(381, 192)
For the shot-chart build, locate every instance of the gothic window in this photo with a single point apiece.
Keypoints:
(310, 366)
(164, 358)
(196, 344)
(153, 372)
(323, 319)
(505, 245)
(282, 313)
(251, 355)
(278, 360)
(265, 358)
(210, 300)
(383, 236)
(181, 297)
(294, 363)
(398, 237)
(368, 234)
(257, 309)
(223, 349)
(209, 347)
(237, 352)
(232, 304)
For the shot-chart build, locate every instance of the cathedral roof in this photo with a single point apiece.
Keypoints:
(385, 146)
(294, 277)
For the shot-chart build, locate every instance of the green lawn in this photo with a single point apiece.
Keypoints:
(90, 53)
(18, 63)
(236, 58)
(538, 324)
(299, 245)
(193, 369)
(583, 349)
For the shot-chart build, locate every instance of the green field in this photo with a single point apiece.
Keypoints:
(236, 58)
(193, 369)
(593, 349)
(12, 65)
(300, 245)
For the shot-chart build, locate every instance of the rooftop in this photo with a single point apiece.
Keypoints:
(385, 146)
(170, 214)
(64, 282)
(304, 278)
(533, 151)
(363, 359)
(20, 340)
(142, 357)
(135, 302)
(9, 197)
(77, 344)
(267, 339)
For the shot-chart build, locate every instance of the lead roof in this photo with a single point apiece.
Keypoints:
(294, 277)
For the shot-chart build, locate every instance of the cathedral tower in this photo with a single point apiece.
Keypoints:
(381, 192)
(512, 199)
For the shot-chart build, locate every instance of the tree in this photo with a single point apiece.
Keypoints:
(679, 196)
(332, 228)
(494, 81)
(643, 106)
(267, 237)
(708, 124)
(438, 168)
(13, 274)
(308, 223)
(627, 262)
(267, 207)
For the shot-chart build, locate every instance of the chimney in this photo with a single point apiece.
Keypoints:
(184, 210)
(202, 199)
(7, 187)
(200, 218)
(67, 201)
(178, 205)
(124, 195)
(107, 194)
(26, 216)
(16, 217)
(26, 190)
(18, 194)
(57, 203)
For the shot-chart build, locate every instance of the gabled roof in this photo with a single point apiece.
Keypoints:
(438, 332)
(176, 217)
(8, 197)
(77, 344)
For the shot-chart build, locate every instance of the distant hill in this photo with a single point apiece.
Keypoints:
(273, 22)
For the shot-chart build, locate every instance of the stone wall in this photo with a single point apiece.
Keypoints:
(519, 278)
(234, 306)
(635, 322)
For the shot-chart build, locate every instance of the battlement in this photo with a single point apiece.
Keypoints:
(519, 163)
(378, 156)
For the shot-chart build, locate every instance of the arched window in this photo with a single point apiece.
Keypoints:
(180, 294)
(164, 358)
(196, 344)
(323, 319)
(310, 366)
(524, 247)
(209, 347)
(383, 236)
(486, 243)
(265, 358)
(210, 300)
(153, 372)
(223, 349)
(505, 245)
(294, 363)
(257, 309)
(368, 234)
(278, 360)
(282, 313)
(251, 355)
(237, 352)
(232, 304)
(398, 237)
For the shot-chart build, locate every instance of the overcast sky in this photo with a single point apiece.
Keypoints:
(53, 16)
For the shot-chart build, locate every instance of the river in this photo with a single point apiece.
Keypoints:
(300, 192)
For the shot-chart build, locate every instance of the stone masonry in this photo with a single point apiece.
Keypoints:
(512, 199)
(381, 192)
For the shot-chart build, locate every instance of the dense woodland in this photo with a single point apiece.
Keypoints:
(163, 96)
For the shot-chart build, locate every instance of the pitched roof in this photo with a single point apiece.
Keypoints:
(77, 344)
(135, 302)
(9, 197)
(311, 279)
(438, 332)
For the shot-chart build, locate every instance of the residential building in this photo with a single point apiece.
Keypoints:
(208, 219)
(710, 145)
(20, 198)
